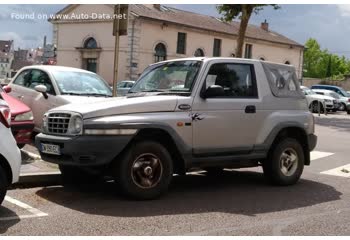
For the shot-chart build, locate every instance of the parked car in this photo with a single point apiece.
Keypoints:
(155, 131)
(316, 101)
(44, 87)
(336, 89)
(123, 87)
(344, 102)
(22, 121)
(10, 157)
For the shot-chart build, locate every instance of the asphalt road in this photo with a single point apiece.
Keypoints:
(237, 202)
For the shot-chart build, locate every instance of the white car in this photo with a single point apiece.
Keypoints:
(314, 99)
(344, 103)
(123, 87)
(10, 157)
(44, 87)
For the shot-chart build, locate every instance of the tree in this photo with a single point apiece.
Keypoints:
(244, 12)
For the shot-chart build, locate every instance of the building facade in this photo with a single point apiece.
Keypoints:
(84, 39)
(6, 58)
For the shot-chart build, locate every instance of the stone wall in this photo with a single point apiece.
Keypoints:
(308, 82)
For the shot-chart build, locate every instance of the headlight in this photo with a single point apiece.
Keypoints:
(28, 116)
(327, 100)
(76, 124)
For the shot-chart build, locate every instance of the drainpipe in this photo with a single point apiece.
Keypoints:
(132, 48)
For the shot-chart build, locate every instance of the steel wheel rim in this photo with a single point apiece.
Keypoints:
(146, 170)
(342, 107)
(289, 162)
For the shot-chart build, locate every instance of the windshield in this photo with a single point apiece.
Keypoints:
(344, 93)
(334, 95)
(81, 83)
(308, 91)
(177, 76)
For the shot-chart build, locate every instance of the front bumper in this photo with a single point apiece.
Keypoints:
(83, 150)
(312, 141)
(22, 131)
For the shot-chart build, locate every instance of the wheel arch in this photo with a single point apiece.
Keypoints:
(297, 133)
(178, 150)
(291, 131)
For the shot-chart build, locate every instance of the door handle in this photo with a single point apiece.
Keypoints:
(250, 109)
(20, 97)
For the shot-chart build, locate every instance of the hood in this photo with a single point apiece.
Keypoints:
(81, 99)
(15, 105)
(122, 105)
(321, 97)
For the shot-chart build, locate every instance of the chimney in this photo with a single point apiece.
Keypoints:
(156, 6)
(44, 42)
(265, 26)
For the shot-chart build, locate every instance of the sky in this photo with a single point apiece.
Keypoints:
(328, 24)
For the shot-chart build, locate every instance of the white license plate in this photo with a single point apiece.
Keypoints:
(50, 149)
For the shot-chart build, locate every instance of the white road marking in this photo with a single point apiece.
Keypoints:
(342, 171)
(34, 212)
(314, 155)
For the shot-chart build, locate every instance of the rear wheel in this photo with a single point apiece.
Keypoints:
(285, 162)
(145, 170)
(3, 184)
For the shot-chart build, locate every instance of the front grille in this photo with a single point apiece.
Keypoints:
(58, 123)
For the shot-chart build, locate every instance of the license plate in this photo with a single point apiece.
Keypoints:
(50, 149)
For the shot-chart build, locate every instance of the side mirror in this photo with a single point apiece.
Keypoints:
(213, 91)
(7, 89)
(42, 89)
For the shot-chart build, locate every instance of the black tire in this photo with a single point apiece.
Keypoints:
(3, 184)
(314, 107)
(272, 166)
(144, 171)
(348, 111)
(76, 175)
(342, 107)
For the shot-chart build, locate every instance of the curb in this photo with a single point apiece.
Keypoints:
(39, 179)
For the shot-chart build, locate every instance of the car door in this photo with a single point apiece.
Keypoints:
(228, 124)
(41, 103)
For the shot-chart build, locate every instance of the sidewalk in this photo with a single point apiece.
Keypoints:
(35, 171)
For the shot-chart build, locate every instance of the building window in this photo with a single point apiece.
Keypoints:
(160, 54)
(90, 43)
(287, 62)
(199, 53)
(181, 43)
(217, 48)
(248, 51)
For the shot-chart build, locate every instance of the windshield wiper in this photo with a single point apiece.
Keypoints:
(97, 94)
(152, 90)
(71, 93)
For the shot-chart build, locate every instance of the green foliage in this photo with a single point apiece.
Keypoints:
(320, 63)
(232, 11)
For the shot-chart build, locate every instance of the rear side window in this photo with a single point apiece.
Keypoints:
(282, 80)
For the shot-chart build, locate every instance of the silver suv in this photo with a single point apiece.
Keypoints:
(208, 113)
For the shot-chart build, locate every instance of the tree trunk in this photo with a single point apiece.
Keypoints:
(246, 13)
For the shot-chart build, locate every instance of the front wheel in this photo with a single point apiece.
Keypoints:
(145, 170)
(342, 107)
(3, 184)
(285, 162)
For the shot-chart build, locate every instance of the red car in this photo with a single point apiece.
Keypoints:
(22, 123)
